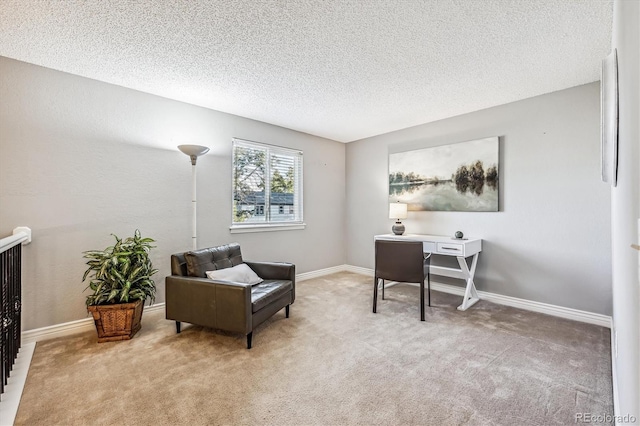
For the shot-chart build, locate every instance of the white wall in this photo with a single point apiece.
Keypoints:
(625, 212)
(550, 241)
(80, 159)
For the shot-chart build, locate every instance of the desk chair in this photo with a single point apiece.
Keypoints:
(401, 261)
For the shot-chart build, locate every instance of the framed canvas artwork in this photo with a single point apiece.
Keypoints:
(456, 177)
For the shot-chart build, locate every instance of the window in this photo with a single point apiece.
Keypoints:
(267, 187)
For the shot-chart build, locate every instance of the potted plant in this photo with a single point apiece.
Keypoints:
(120, 282)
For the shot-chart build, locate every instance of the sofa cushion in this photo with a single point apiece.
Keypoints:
(210, 259)
(179, 265)
(226, 256)
(199, 262)
(267, 291)
(238, 274)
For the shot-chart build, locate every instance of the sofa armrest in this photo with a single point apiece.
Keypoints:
(274, 270)
(210, 303)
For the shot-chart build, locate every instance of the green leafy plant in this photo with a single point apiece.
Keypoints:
(121, 273)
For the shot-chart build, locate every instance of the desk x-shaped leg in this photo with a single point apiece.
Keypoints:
(470, 293)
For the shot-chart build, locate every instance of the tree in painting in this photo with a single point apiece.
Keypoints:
(454, 177)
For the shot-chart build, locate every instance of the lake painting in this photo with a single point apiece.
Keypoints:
(457, 177)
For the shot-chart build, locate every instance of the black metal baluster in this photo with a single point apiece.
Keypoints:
(4, 276)
(9, 315)
(11, 311)
(17, 304)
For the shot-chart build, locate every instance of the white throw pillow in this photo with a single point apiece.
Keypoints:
(239, 274)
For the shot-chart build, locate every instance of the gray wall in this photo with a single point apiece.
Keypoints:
(550, 242)
(80, 159)
(626, 211)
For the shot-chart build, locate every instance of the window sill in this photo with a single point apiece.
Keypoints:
(240, 229)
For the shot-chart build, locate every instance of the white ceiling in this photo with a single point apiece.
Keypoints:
(341, 69)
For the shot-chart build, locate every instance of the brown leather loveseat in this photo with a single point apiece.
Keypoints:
(225, 304)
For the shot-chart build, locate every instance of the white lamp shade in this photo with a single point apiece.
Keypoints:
(193, 151)
(196, 150)
(397, 211)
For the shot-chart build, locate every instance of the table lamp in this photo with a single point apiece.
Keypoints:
(397, 211)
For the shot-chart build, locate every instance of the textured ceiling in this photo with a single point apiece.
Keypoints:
(341, 69)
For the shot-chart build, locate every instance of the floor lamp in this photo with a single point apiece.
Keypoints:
(193, 151)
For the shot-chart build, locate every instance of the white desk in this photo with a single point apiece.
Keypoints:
(447, 246)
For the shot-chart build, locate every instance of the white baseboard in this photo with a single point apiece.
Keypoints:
(15, 385)
(528, 305)
(614, 372)
(320, 272)
(545, 308)
(359, 270)
(68, 328)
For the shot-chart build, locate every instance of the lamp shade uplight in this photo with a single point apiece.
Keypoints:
(193, 151)
(397, 211)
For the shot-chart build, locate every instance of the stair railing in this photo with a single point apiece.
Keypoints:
(11, 300)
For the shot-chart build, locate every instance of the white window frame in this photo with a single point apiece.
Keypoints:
(241, 227)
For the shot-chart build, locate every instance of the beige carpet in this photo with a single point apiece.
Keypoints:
(333, 362)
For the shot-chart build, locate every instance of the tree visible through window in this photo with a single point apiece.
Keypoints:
(266, 179)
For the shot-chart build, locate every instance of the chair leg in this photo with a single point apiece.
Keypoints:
(422, 300)
(249, 336)
(178, 327)
(429, 287)
(375, 293)
(286, 311)
(382, 289)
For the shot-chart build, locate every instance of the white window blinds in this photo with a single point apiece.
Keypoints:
(267, 184)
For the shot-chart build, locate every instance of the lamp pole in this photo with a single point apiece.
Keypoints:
(193, 151)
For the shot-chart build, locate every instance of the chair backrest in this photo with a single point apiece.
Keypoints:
(195, 263)
(401, 261)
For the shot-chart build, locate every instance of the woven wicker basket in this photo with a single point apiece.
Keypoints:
(117, 322)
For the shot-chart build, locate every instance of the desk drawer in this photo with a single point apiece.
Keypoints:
(451, 249)
(428, 246)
